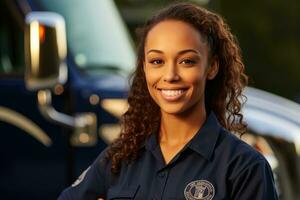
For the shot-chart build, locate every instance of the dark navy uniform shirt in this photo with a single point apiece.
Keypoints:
(215, 164)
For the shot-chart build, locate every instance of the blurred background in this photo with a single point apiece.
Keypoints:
(64, 84)
(268, 33)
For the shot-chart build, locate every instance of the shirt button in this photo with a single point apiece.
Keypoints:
(161, 174)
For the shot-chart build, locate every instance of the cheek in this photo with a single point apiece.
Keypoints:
(151, 84)
(197, 80)
(194, 77)
(151, 77)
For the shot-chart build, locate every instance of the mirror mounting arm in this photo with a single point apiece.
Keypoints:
(47, 110)
(83, 124)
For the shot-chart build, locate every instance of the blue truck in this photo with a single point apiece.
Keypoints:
(44, 148)
(61, 110)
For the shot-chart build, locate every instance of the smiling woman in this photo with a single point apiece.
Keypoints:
(185, 98)
(177, 66)
(176, 69)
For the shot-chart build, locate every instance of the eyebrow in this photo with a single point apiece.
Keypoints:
(179, 53)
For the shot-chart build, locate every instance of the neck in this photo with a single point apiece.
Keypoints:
(179, 129)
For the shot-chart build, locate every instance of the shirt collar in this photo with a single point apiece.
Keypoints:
(151, 142)
(203, 142)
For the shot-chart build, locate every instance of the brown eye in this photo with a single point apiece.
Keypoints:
(188, 62)
(156, 61)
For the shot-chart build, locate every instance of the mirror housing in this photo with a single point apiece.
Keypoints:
(45, 55)
(45, 50)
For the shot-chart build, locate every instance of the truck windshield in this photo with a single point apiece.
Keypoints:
(96, 34)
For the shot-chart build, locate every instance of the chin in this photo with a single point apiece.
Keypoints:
(173, 110)
(181, 108)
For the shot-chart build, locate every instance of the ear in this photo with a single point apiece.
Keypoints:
(213, 69)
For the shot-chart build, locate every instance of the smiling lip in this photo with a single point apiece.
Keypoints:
(172, 94)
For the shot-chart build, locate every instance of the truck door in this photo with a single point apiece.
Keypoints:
(32, 150)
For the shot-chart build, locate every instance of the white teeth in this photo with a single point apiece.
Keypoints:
(172, 93)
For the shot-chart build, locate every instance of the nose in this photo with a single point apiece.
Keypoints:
(171, 73)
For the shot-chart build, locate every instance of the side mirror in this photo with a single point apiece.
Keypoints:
(45, 54)
(45, 50)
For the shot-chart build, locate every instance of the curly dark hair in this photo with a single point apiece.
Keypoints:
(223, 94)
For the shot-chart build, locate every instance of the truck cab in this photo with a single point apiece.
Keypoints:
(38, 156)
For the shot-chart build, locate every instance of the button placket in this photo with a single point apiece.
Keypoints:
(161, 174)
(162, 178)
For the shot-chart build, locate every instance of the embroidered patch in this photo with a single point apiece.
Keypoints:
(199, 190)
(81, 177)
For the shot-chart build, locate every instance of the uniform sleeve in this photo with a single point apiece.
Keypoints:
(254, 182)
(90, 185)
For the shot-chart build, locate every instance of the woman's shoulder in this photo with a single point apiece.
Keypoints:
(247, 170)
(103, 161)
(237, 154)
(92, 183)
(236, 146)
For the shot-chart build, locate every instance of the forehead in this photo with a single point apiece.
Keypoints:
(174, 35)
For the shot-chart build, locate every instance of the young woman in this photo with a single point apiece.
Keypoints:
(177, 140)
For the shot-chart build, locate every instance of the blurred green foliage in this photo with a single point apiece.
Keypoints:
(269, 36)
(268, 32)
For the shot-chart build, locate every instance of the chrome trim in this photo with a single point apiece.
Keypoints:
(116, 107)
(83, 124)
(33, 21)
(109, 132)
(45, 106)
(17, 119)
(85, 133)
(272, 103)
(54, 20)
(272, 115)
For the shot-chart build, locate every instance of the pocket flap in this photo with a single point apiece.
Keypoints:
(122, 192)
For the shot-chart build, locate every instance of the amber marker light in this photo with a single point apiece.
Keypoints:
(42, 34)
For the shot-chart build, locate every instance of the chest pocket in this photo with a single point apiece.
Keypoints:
(122, 192)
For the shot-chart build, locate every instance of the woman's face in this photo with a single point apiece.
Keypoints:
(177, 66)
